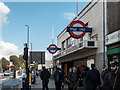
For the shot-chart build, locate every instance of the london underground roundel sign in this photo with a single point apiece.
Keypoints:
(53, 48)
(75, 33)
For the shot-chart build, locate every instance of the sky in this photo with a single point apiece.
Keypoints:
(40, 16)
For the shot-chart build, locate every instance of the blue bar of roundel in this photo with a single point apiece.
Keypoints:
(53, 48)
(81, 29)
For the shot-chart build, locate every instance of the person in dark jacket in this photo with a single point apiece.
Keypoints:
(74, 79)
(92, 79)
(112, 79)
(69, 78)
(45, 75)
(84, 73)
(58, 77)
(104, 72)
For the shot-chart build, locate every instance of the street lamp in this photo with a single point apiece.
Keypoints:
(31, 53)
(27, 68)
(27, 35)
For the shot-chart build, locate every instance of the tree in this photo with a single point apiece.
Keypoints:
(17, 61)
(4, 63)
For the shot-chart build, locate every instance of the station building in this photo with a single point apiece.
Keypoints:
(103, 18)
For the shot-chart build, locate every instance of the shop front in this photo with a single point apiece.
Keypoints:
(113, 47)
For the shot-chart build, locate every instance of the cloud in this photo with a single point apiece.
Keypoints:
(69, 16)
(4, 11)
(7, 49)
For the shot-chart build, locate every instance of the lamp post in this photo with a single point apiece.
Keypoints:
(27, 68)
(27, 35)
(31, 54)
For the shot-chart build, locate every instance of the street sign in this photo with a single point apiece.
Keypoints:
(53, 48)
(81, 29)
(38, 57)
(77, 29)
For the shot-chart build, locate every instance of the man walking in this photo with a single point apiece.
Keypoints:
(58, 77)
(112, 79)
(92, 78)
(45, 75)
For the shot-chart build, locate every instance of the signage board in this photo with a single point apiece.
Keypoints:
(78, 29)
(37, 56)
(81, 29)
(73, 33)
(113, 38)
(53, 48)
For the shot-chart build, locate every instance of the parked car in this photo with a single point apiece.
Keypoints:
(7, 73)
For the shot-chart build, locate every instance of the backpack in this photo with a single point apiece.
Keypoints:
(57, 77)
(94, 76)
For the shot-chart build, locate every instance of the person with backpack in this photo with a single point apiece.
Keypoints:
(112, 79)
(45, 75)
(58, 77)
(92, 78)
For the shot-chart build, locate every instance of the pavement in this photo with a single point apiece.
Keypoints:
(8, 82)
(38, 84)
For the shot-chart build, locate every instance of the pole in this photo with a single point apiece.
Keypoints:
(27, 68)
(27, 72)
(77, 8)
(52, 34)
(52, 41)
(31, 54)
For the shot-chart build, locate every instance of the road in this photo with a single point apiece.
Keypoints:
(4, 79)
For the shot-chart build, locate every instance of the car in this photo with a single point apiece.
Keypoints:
(7, 73)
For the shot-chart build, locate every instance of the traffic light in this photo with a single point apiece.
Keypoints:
(25, 56)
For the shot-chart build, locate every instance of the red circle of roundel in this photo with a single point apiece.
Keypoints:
(51, 46)
(74, 35)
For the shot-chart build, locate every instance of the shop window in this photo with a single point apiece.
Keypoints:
(63, 45)
(70, 42)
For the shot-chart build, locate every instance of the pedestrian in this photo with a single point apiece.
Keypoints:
(92, 79)
(79, 72)
(37, 73)
(63, 77)
(45, 75)
(69, 78)
(112, 79)
(104, 72)
(74, 79)
(58, 77)
(84, 73)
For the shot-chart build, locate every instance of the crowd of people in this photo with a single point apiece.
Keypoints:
(87, 79)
